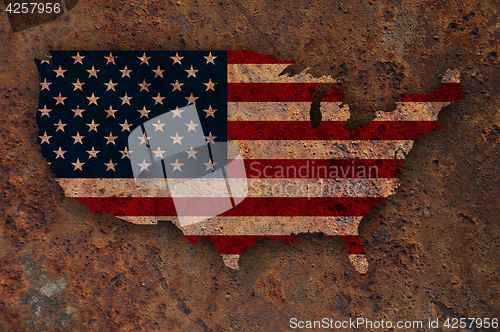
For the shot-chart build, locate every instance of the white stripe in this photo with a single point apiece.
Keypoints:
(269, 73)
(262, 187)
(112, 187)
(330, 111)
(257, 187)
(344, 225)
(145, 220)
(324, 149)
(413, 111)
(283, 111)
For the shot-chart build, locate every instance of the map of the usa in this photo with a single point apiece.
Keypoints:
(150, 136)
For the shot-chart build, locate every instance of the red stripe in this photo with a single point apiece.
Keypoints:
(354, 243)
(236, 244)
(319, 168)
(275, 92)
(445, 92)
(328, 130)
(235, 57)
(250, 206)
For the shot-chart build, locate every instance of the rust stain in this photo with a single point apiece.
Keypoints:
(126, 277)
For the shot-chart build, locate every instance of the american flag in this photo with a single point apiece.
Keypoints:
(300, 179)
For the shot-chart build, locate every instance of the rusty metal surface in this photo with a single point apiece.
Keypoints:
(433, 247)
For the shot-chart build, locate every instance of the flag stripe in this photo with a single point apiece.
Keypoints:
(269, 73)
(278, 92)
(250, 206)
(257, 187)
(293, 178)
(355, 247)
(321, 187)
(301, 149)
(330, 111)
(445, 93)
(412, 111)
(236, 244)
(315, 168)
(274, 92)
(284, 111)
(253, 57)
(328, 130)
(343, 225)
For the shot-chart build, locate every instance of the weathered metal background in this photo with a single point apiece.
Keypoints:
(433, 247)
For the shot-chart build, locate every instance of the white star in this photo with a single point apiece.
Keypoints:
(110, 138)
(158, 72)
(177, 112)
(125, 153)
(45, 85)
(45, 138)
(78, 165)
(177, 165)
(176, 138)
(126, 126)
(144, 85)
(210, 58)
(191, 99)
(45, 111)
(110, 58)
(78, 58)
(60, 72)
(144, 112)
(125, 99)
(111, 165)
(125, 72)
(92, 126)
(60, 99)
(210, 85)
(158, 153)
(191, 72)
(93, 153)
(191, 153)
(177, 59)
(78, 85)
(110, 85)
(158, 99)
(78, 111)
(46, 60)
(144, 165)
(110, 112)
(210, 138)
(191, 126)
(210, 112)
(78, 138)
(144, 139)
(144, 59)
(93, 72)
(93, 99)
(210, 165)
(60, 126)
(176, 85)
(158, 126)
(60, 153)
